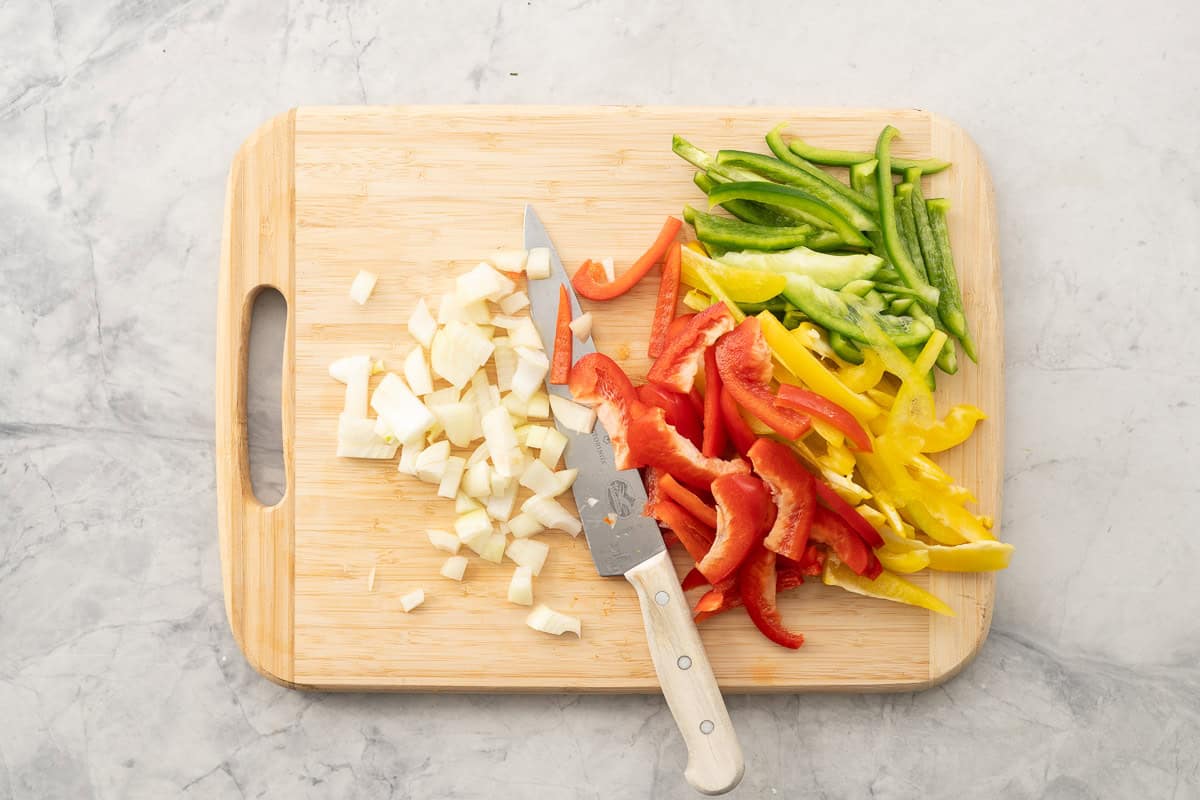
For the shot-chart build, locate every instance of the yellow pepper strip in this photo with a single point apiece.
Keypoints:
(741, 285)
(929, 353)
(697, 301)
(805, 366)
(811, 337)
(928, 469)
(886, 587)
(955, 429)
(948, 514)
(973, 557)
(838, 459)
(904, 563)
(881, 398)
(832, 436)
(864, 376)
(696, 247)
(709, 284)
(845, 486)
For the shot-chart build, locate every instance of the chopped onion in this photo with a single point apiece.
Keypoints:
(362, 286)
(539, 406)
(457, 420)
(451, 477)
(505, 358)
(477, 482)
(528, 553)
(547, 620)
(463, 504)
(458, 351)
(532, 366)
(416, 372)
(480, 454)
(344, 369)
(520, 588)
(412, 600)
(357, 373)
(421, 324)
(510, 260)
(482, 391)
(431, 462)
(435, 432)
(536, 436)
(493, 549)
(507, 322)
(514, 302)
(547, 511)
(573, 416)
(482, 283)
(501, 440)
(400, 409)
(500, 504)
(453, 309)
(526, 335)
(515, 406)
(538, 479)
(357, 439)
(610, 270)
(444, 540)
(553, 444)
(581, 326)
(408, 456)
(592, 502)
(501, 484)
(523, 525)
(538, 263)
(566, 478)
(454, 568)
(473, 527)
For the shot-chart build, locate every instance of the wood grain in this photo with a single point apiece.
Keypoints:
(418, 194)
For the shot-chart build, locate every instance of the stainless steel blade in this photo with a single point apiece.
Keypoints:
(610, 501)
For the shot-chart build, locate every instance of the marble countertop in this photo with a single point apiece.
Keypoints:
(118, 675)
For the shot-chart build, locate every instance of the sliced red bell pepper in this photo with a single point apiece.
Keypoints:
(685, 497)
(657, 444)
(785, 579)
(830, 530)
(560, 363)
(813, 561)
(795, 497)
(597, 380)
(856, 521)
(744, 359)
(681, 414)
(756, 584)
(652, 478)
(676, 368)
(591, 282)
(693, 580)
(670, 539)
(664, 309)
(714, 441)
(735, 426)
(815, 405)
(697, 401)
(721, 597)
(744, 513)
(678, 326)
(695, 537)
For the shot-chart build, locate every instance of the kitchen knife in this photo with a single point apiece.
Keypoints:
(623, 542)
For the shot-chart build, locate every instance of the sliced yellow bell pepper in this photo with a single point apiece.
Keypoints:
(886, 587)
(973, 557)
(864, 376)
(740, 285)
(881, 398)
(957, 426)
(811, 337)
(709, 284)
(696, 300)
(904, 563)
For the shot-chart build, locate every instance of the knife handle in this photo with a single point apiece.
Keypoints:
(715, 763)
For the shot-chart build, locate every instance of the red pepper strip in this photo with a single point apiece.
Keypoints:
(742, 508)
(786, 578)
(597, 380)
(560, 365)
(678, 326)
(829, 529)
(697, 401)
(791, 486)
(857, 523)
(699, 509)
(676, 368)
(695, 537)
(815, 405)
(813, 562)
(714, 427)
(756, 584)
(657, 444)
(652, 477)
(664, 309)
(722, 597)
(670, 539)
(744, 358)
(693, 580)
(678, 408)
(735, 426)
(591, 282)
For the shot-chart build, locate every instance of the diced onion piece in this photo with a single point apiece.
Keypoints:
(501, 484)
(539, 406)
(362, 286)
(412, 600)
(477, 481)
(523, 525)
(553, 444)
(453, 309)
(463, 504)
(416, 372)
(378, 367)
(344, 369)
(384, 431)
(528, 553)
(547, 620)
(520, 588)
(357, 374)
(408, 456)
(526, 335)
(592, 502)
(505, 358)
(532, 366)
(431, 462)
(538, 479)
(458, 351)
(482, 390)
(514, 302)
(581, 326)
(458, 420)
(451, 477)
(473, 527)
(507, 322)
(566, 478)
(357, 439)
(435, 432)
(482, 282)
(421, 324)
(454, 568)
(500, 504)
(610, 269)
(510, 260)
(501, 440)
(403, 412)
(444, 540)
(571, 415)
(515, 406)
(536, 436)
(451, 394)
(537, 266)
(547, 511)
(493, 549)
(479, 454)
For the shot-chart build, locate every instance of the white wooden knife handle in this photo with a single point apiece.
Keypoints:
(715, 763)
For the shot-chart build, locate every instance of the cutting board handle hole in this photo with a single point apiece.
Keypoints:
(264, 408)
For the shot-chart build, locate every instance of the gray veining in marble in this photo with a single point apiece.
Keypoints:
(118, 676)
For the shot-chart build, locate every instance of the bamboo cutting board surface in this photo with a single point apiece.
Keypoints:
(418, 195)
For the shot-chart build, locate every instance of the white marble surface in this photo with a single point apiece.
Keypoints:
(118, 676)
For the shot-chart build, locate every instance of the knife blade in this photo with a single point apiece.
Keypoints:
(632, 546)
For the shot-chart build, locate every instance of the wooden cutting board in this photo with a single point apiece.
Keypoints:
(417, 195)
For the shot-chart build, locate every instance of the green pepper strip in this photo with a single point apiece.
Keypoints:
(790, 198)
(887, 220)
(922, 242)
(784, 154)
(846, 350)
(907, 225)
(732, 234)
(950, 305)
(847, 158)
(744, 210)
(860, 179)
